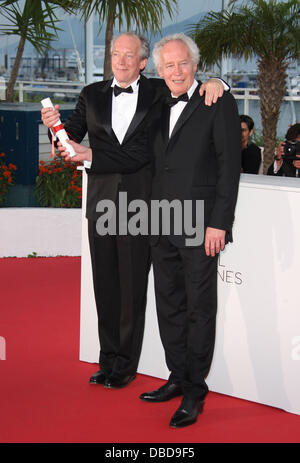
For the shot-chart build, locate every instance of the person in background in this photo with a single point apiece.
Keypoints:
(251, 155)
(281, 166)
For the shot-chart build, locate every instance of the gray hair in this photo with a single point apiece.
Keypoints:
(181, 37)
(145, 47)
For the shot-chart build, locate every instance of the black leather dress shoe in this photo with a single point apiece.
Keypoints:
(166, 392)
(187, 413)
(118, 383)
(97, 378)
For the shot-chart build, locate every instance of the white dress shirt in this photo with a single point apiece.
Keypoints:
(123, 109)
(177, 109)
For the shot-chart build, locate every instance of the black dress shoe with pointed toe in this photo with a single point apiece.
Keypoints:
(187, 413)
(166, 392)
(97, 378)
(118, 383)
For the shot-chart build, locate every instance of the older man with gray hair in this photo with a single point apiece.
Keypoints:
(117, 114)
(197, 158)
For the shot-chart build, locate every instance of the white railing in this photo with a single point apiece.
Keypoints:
(49, 87)
(73, 88)
(248, 94)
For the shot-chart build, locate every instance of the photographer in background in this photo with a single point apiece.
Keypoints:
(287, 158)
(251, 155)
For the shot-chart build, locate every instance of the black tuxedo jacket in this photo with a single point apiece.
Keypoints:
(286, 170)
(127, 166)
(200, 161)
(251, 159)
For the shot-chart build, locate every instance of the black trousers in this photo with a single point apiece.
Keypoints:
(120, 267)
(186, 298)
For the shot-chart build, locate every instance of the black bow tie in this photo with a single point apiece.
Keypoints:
(118, 90)
(172, 101)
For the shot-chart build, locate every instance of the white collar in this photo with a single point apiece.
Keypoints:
(134, 85)
(191, 89)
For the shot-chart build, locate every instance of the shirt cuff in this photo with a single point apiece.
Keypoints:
(225, 85)
(275, 167)
(87, 164)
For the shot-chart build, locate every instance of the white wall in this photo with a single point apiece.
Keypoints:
(257, 351)
(46, 231)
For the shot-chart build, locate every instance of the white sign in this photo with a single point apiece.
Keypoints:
(257, 351)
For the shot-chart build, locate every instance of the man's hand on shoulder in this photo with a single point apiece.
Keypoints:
(213, 89)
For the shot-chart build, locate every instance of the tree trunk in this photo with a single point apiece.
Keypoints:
(107, 72)
(272, 88)
(15, 71)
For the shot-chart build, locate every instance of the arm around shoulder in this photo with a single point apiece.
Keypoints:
(227, 141)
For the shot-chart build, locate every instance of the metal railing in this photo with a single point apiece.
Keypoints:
(248, 94)
(61, 89)
(49, 87)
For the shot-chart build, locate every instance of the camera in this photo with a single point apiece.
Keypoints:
(291, 149)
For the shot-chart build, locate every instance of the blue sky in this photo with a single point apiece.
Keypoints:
(187, 8)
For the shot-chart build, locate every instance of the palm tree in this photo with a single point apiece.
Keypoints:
(141, 14)
(267, 30)
(35, 21)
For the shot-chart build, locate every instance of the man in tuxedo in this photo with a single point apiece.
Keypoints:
(251, 155)
(197, 153)
(117, 115)
(282, 166)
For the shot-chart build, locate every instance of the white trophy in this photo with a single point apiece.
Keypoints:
(58, 129)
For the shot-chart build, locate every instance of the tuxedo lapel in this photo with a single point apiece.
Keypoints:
(105, 109)
(188, 111)
(165, 124)
(145, 101)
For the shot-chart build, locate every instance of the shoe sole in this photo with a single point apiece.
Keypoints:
(108, 386)
(97, 384)
(175, 426)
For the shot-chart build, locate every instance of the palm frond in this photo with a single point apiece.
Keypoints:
(138, 14)
(258, 28)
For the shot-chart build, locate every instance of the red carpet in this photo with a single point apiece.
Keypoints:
(45, 396)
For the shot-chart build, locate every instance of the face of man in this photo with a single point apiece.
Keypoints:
(246, 133)
(176, 67)
(125, 60)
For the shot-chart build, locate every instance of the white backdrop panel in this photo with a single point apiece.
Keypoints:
(257, 351)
